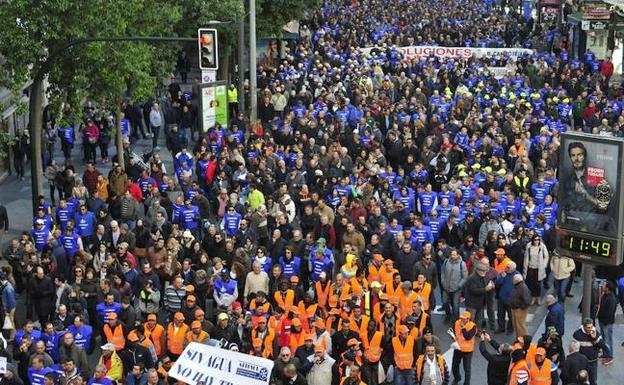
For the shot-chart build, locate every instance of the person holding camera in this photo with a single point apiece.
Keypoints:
(498, 363)
(591, 342)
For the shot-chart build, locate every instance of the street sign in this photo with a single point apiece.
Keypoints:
(208, 76)
(590, 198)
(208, 45)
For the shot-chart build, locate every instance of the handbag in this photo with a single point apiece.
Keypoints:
(390, 374)
(8, 323)
(381, 374)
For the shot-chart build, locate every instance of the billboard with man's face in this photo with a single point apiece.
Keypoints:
(589, 184)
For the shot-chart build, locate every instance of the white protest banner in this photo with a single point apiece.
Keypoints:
(3, 365)
(216, 366)
(415, 51)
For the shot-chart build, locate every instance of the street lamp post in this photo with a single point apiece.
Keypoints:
(241, 61)
(253, 97)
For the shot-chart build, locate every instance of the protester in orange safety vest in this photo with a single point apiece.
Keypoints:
(421, 319)
(501, 261)
(358, 283)
(542, 371)
(176, 332)
(465, 335)
(403, 347)
(387, 272)
(431, 368)
(333, 319)
(406, 298)
(115, 332)
(260, 304)
(294, 286)
(275, 321)
(266, 336)
(524, 343)
(519, 371)
(359, 322)
(297, 334)
(372, 345)
(156, 333)
(371, 300)
(354, 346)
(321, 336)
(322, 290)
(256, 348)
(138, 335)
(340, 288)
(207, 326)
(307, 308)
(353, 378)
(374, 268)
(196, 334)
(410, 322)
(423, 289)
(285, 296)
(393, 289)
(389, 322)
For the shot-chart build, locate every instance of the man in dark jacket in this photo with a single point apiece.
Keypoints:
(284, 360)
(573, 364)
(340, 339)
(406, 259)
(41, 294)
(477, 288)
(498, 364)
(69, 349)
(303, 352)
(556, 314)
(606, 319)
(135, 353)
(504, 286)
(519, 302)
(4, 225)
(591, 343)
(226, 330)
(515, 251)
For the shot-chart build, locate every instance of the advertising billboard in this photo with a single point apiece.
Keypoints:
(590, 197)
(589, 179)
(214, 108)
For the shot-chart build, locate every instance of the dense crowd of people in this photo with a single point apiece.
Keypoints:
(373, 190)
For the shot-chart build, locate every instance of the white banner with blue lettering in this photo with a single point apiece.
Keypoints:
(216, 366)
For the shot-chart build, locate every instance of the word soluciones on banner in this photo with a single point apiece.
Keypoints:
(415, 51)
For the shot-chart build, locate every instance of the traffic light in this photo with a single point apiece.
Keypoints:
(208, 49)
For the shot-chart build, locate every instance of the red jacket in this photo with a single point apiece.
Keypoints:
(89, 178)
(606, 68)
(210, 171)
(135, 191)
(92, 133)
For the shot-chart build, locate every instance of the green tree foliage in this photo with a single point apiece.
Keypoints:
(34, 31)
(272, 15)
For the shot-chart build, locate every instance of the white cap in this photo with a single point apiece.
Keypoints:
(108, 346)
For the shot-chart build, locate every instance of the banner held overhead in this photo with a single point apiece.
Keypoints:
(212, 365)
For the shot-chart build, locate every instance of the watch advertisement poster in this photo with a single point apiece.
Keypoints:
(589, 184)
